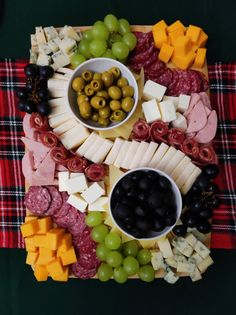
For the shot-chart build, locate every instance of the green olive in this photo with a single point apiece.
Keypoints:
(82, 98)
(127, 104)
(87, 75)
(96, 85)
(104, 122)
(88, 90)
(122, 82)
(107, 78)
(104, 112)
(85, 110)
(116, 72)
(114, 92)
(103, 94)
(98, 102)
(115, 104)
(78, 84)
(97, 76)
(118, 115)
(95, 117)
(127, 91)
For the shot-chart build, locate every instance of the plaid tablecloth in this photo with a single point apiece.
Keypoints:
(223, 96)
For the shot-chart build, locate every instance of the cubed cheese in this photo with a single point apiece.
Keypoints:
(76, 201)
(29, 228)
(45, 224)
(185, 267)
(202, 39)
(31, 258)
(171, 277)
(58, 120)
(68, 257)
(50, 32)
(43, 59)
(193, 32)
(191, 239)
(165, 247)
(92, 193)
(201, 249)
(40, 37)
(94, 147)
(66, 126)
(161, 24)
(122, 153)
(157, 260)
(76, 184)
(159, 36)
(98, 205)
(60, 60)
(168, 112)
(62, 177)
(200, 58)
(195, 259)
(174, 26)
(87, 144)
(180, 122)
(40, 273)
(171, 262)
(67, 45)
(55, 268)
(183, 103)
(173, 99)
(195, 275)
(153, 90)
(166, 52)
(182, 45)
(203, 265)
(175, 34)
(151, 111)
(183, 61)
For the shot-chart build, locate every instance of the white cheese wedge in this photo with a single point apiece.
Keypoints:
(162, 149)
(57, 84)
(94, 148)
(136, 159)
(56, 121)
(65, 127)
(67, 45)
(180, 167)
(176, 159)
(40, 36)
(108, 133)
(148, 154)
(62, 177)
(200, 236)
(43, 60)
(98, 205)
(122, 153)
(74, 137)
(168, 156)
(153, 90)
(87, 144)
(114, 175)
(180, 122)
(208, 261)
(182, 178)
(102, 152)
(171, 262)
(165, 247)
(185, 267)
(151, 111)
(133, 147)
(173, 99)
(195, 259)
(171, 277)
(183, 103)
(157, 260)
(50, 32)
(76, 184)
(182, 246)
(168, 112)
(191, 239)
(60, 60)
(189, 182)
(58, 110)
(201, 249)
(92, 193)
(195, 275)
(76, 201)
(111, 157)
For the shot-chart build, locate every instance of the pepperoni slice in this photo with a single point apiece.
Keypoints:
(38, 200)
(176, 137)
(95, 172)
(60, 155)
(49, 139)
(158, 131)
(190, 147)
(77, 164)
(39, 122)
(141, 130)
(207, 155)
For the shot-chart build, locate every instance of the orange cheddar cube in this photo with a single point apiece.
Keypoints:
(200, 58)
(68, 257)
(62, 277)
(45, 224)
(183, 62)
(182, 45)
(52, 238)
(65, 243)
(40, 273)
(202, 40)
(55, 268)
(30, 218)
(160, 37)
(44, 260)
(174, 26)
(193, 33)
(165, 52)
(29, 228)
(31, 258)
(39, 240)
(46, 252)
(29, 244)
(161, 24)
(175, 34)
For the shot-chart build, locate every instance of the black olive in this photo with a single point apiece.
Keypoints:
(144, 184)
(180, 230)
(129, 222)
(126, 183)
(22, 93)
(136, 176)
(196, 205)
(121, 210)
(142, 196)
(213, 187)
(201, 182)
(160, 211)
(30, 107)
(214, 202)
(204, 226)
(164, 183)
(154, 200)
(170, 219)
(211, 171)
(158, 224)
(139, 211)
(143, 224)
(43, 94)
(153, 176)
(132, 193)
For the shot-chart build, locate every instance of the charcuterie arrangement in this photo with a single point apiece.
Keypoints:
(119, 162)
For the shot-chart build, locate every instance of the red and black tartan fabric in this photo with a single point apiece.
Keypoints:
(12, 211)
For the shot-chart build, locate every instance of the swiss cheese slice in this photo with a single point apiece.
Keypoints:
(158, 155)
(122, 153)
(189, 182)
(87, 144)
(130, 153)
(180, 168)
(136, 159)
(110, 159)
(166, 158)
(176, 159)
(147, 156)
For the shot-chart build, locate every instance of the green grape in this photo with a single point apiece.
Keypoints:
(120, 275)
(131, 265)
(100, 32)
(114, 258)
(76, 60)
(104, 272)
(98, 23)
(120, 50)
(83, 48)
(124, 26)
(112, 241)
(97, 47)
(130, 40)
(99, 233)
(94, 218)
(108, 54)
(88, 35)
(131, 248)
(146, 273)
(111, 23)
(144, 256)
(102, 252)
(114, 37)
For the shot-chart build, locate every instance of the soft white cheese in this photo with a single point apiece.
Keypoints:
(98, 205)
(92, 193)
(151, 111)
(62, 177)
(76, 184)
(173, 99)
(168, 112)
(102, 152)
(183, 103)
(76, 201)
(153, 90)
(203, 265)
(180, 122)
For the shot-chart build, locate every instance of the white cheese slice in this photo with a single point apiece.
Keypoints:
(185, 267)
(176, 159)
(133, 146)
(136, 159)
(195, 275)
(180, 122)
(43, 60)
(180, 167)
(40, 36)
(171, 277)
(98, 205)
(58, 110)
(189, 182)
(173, 99)
(87, 144)
(183, 103)
(68, 31)
(54, 102)
(114, 175)
(76, 201)
(55, 93)
(153, 90)
(182, 178)
(201, 249)
(62, 177)
(50, 32)
(94, 148)
(57, 84)
(92, 193)
(151, 111)
(191, 239)
(168, 112)
(157, 260)
(102, 152)
(122, 153)
(148, 154)
(65, 127)
(203, 265)
(76, 184)
(74, 137)
(58, 120)
(168, 156)
(158, 154)
(165, 248)
(110, 159)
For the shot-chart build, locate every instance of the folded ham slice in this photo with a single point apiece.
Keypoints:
(205, 99)
(197, 119)
(208, 133)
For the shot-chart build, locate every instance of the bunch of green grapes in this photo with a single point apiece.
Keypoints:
(110, 38)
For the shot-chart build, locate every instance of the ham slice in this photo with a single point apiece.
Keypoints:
(195, 98)
(205, 99)
(28, 166)
(44, 175)
(207, 133)
(30, 132)
(197, 119)
(61, 168)
(208, 111)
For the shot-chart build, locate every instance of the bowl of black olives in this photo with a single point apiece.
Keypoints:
(102, 93)
(145, 203)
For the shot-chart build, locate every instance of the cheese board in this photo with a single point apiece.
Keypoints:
(74, 169)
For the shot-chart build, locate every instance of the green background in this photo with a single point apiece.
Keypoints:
(19, 291)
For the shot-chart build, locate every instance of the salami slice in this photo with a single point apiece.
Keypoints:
(195, 81)
(77, 164)
(171, 89)
(143, 55)
(82, 273)
(141, 130)
(56, 200)
(79, 225)
(39, 122)
(63, 210)
(190, 148)
(166, 78)
(143, 41)
(37, 200)
(155, 69)
(60, 155)
(183, 85)
(159, 131)
(49, 139)
(176, 137)
(95, 172)
(89, 260)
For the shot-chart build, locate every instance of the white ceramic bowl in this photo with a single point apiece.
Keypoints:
(99, 65)
(178, 200)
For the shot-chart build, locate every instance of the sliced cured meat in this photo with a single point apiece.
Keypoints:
(82, 239)
(204, 82)
(49, 139)
(184, 84)
(190, 147)
(69, 219)
(77, 164)
(143, 41)
(197, 119)
(159, 131)
(205, 99)
(176, 137)
(190, 135)
(207, 134)
(37, 200)
(207, 155)
(89, 260)
(150, 60)
(195, 81)
(165, 78)
(39, 122)
(46, 171)
(79, 226)
(95, 172)
(28, 166)
(82, 273)
(56, 200)
(141, 130)
(195, 98)
(60, 155)
(171, 90)
(155, 69)
(61, 212)
(30, 132)
(141, 58)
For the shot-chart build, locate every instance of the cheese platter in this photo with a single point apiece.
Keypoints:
(77, 161)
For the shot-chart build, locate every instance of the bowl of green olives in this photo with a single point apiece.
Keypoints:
(102, 94)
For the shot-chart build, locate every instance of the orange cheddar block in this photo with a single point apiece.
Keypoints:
(39, 240)
(31, 258)
(40, 273)
(174, 26)
(52, 239)
(165, 52)
(65, 242)
(62, 277)
(182, 45)
(160, 37)
(45, 224)
(44, 260)
(175, 34)
(68, 257)
(202, 40)
(200, 58)
(46, 252)
(29, 244)
(29, 228)
(55, 268)
(193, 33)
(183, 62)
(161, 24)
(30, 218)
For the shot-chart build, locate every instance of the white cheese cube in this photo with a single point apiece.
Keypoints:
(200, 236)
(44, 49)
(74, 137)
(67, 45)
(171, 262)
(203, 265)
(158, 154)
(62, 177)
(65, 127)
(50, 32)
(98, 205)
(173, 99)
(151, 111)
(185, 267)
(102, 152)
(181, 244)
(178, 256)
(176, 159)
(76, 201)
(195, 275)
(54, 44)
(165, 247)
(195, 259)
(33, 56)
(183, 103)
(171, 277)
(166, 158)
(68, 31)
(33, 41)
(180, 122)
(191, 239)
(92, 193)
(43, 60)
(148, 154)
(40, 37)
(133, 146)
(60, 60)
(136, 159)
(76, 184)
(201, 249)
(153, 90)
(168, 112)
(191, 179)
(157, 260)
(110, 159)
